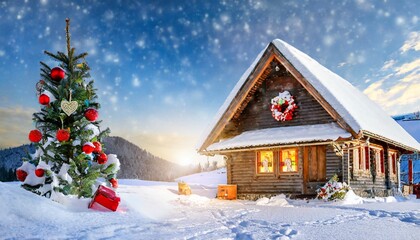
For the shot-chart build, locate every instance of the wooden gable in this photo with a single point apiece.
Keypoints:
(257, 114)
(250, 109)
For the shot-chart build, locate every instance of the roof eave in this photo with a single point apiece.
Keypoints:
(269, 146)
(387, 140)
(267, 56)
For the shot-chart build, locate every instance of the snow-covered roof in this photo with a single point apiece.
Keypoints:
(361, 113)
(356, 109)
(282, 135)
(229, 99)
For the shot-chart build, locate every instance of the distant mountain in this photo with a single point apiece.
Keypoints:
(136, 163)
(11, 158)
(411, 123)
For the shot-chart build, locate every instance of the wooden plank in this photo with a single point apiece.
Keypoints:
(313, 166)
(321, 158)
(257, 114)
(243, 175)
(333, 164)
(305, 168)
(229, 169)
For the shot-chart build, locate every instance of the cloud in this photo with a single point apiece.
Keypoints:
(15, 124)
(342, 64)
(398, 92)
(413, 66)
(388, 65)
(412, 43)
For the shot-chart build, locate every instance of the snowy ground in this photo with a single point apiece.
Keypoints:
(154, 210)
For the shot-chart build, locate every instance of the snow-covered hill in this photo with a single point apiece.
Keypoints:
(154, 210)
(412, 127)
(136, 163)
(411, 123)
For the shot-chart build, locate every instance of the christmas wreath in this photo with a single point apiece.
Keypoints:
(283, 106)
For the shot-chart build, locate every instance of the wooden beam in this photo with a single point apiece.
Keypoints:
(265, 147)
(392, 142)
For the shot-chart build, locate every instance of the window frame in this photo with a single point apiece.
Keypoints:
(379, 159)
(257, 159)
(392, 162)
(280, 162)
(364, 156)
(356, 158)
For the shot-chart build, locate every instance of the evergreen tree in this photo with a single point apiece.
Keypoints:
(69, 156)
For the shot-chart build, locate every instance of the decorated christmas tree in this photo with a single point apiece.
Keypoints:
(69, 158)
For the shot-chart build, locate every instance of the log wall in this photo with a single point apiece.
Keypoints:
(241, 170)
(365, 184)
(257, 114)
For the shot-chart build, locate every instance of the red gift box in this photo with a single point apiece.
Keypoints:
(106, 197)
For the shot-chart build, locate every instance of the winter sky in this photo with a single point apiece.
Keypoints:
(163, 68)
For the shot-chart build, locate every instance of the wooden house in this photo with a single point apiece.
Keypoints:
(290, 124)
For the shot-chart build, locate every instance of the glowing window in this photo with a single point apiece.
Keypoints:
(265, 161)
(289, 160)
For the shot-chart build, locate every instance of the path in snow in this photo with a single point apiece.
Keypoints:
(154, 210)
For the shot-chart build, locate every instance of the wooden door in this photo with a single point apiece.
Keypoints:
(314, 167)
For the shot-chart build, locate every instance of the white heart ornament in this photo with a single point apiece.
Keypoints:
(69, 107)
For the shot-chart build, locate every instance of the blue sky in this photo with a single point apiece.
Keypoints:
(163, 68)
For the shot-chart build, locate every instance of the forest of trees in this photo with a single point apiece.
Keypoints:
(10, 159)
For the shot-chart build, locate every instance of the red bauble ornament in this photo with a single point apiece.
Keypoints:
(44, 99)
(91, 114)
(63, 135)
(88, 148)
(35, 136)
(39, 172)
(102, 158)
(98, 147)
(57, 74)
(21, 175)
(114, 182)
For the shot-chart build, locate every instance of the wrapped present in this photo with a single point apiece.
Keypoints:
(106, 197)
(184, 189)
(226, 192)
